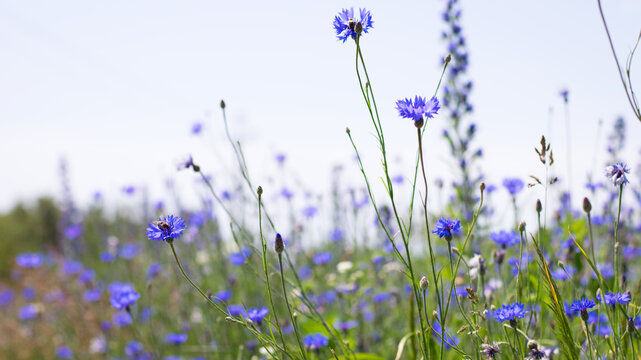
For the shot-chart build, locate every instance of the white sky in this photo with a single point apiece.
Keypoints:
(114, 87)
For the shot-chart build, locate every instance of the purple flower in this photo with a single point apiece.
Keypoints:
(346, 25)
(29, 260)
(128, 251)
(122, 319)
(73, 231)
(176, 339)
(6, 297)
(616, 173)
(510, 312)
(29, 293)
(323, 258)
(236, 310)
(445, 228)
(239, 258)
(257, 315)
(92, 295)
(613, 299)
(513, 185)
(122, 295)
(584, 304)
(167, 229)
(223, 295)
(418, 108)
(64, 352)
(28, 312)
(153, 270)
(107, 257)
(346, 325)
(315, 341)
(381, 297)
(196, 128)
(71, 267)
(505, 238)
(133, 349)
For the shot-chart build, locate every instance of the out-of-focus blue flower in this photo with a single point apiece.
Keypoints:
(346, 325)
(381, 297)
(315, 341)
(323, 258)
(337, 235)
(446, 228)
(280, 158)
(286, 193)
(121, 319)
(510, 312)
(223, 295)
(54, 296)
(107, 257)
(29, 260)
(122, 295)
(86, 276)
(560, 274)
(614, 298)
(153, 270)
(236, 310)
(176, 339)
(29, 293)
(603, 330)
(513, 185)
(257, 315)
(71, 267)
(145, 314)
(129, 190)
(505, 238)
(166, 229)
(304, 272)
(605, 269)
(128, 251)
(133, 349)
(564, 93)
(616, 173)
(346, 25)
(28, 312)
(418, 108)
(310, 211)
(92, 295)
(196, 128)
(239, 258)
(6, 297)
(73, 231)
(64, 352)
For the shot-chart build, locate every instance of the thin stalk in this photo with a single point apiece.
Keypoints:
(289, 309)
(616, 242)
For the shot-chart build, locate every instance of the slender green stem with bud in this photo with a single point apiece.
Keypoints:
(289, 309)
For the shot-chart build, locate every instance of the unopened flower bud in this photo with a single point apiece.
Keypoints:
(424, 283)
(482, 186)
(448, 58)
(279, 246)
(587, 206)
(419, 123)
(260, 190)
(222, 104)
(522, 226)
(358, 28)
(539, 207)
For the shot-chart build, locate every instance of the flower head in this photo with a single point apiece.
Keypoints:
(581, 307)
(323, 258)
(513, 185)
(122, 295)
(257, 315)
(315, 341)
(29, 260)
(445, 228)
(616, 173)
(505, 238)
(417, 108)
(167, 229)
(510, 312)
(490, 350)
(176, 339)
(613, 299)
(347, 26)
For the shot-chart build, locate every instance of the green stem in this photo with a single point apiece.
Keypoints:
(616, 242)
(289, 309)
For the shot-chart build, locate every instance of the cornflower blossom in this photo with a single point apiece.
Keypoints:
(347, 26)
(323, 258)
(616, 173)
(315, 341)
(490, 350)
(176, 339)
(510, 312)
(582, 306)
(614, 298)
(29, 260)
(505, 238)
(166, 229)
(418, 109)
(257, 315)
(513, 185)
(446, 228)
(122, 295)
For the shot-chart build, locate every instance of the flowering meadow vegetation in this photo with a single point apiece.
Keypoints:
(388, 275)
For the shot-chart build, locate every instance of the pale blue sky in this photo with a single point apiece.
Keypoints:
(115, 87)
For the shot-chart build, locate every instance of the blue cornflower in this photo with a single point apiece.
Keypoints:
(257, 315)
(6, 297)
(381, 297)
(223, 295)
(346, 25)
(346, 325)
(239, 258)
(176, 339)
(29, 260)
(133, 348)
(614, 298)
(64, 352)
(122, 295)
(445, 228)
(582, 306)
(315, 341)
(107, 257)
(616, 173)
(122, 319)
(153, 270)
(92, 295)
(337, 235)
(128, 251)
(86, 276)
(167, 229)
(323, 258)
(418, 108)
(29, 293)
(196, 128)
(505, 238)
(71, 267)
(73, 231)
(28, 312)
(510, 312)
(513, 185)
(236, 310)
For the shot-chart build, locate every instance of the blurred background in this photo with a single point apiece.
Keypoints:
(116, 93)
